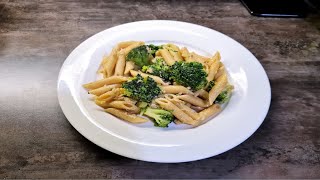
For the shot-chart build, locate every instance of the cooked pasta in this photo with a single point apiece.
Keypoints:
(144, 82)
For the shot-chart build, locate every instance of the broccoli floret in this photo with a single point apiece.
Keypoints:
(152, 49)
(141, 89)
(139, 55)
(189, 74)
(210, 85)
(158, 68)
(143, 106)
(142, 55)
(161, 117)
(224, 96)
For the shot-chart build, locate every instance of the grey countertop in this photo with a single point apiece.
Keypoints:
(36, 140)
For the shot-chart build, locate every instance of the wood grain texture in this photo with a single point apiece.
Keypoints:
(36, 140)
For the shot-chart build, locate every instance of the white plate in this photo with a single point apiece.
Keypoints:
(239, 119)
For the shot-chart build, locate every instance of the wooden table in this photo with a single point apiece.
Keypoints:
(36, 140)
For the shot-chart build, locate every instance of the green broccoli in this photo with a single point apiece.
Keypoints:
(161, 117)
(210, 85)
(189, 74)
(143, 106)
(224, 96)
(142, 55)
(139, 55)
(158, 68)
(141, 89)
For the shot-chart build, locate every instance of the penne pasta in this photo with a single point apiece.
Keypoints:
(194, 100)
(175, 89)
(125, 44)
(176, 121)
(174, 51)
(158, 53)
(105, 81)
(213, 70)
(220, 72)
(197, 108)
(101, 67)
(198, 58)
(167, 56)
(126, 116)
(111, 62)
(110, 94)
(202, 93)
(121, 63)
(216, 57)
(102, 103)
(124, 105)
(129, 66)
(155, 78)
(173, 98)
(132, 46)
(104, 89)
(220, 84)
(177, 112)
(210, 111)
(185, 54)
(186, 109)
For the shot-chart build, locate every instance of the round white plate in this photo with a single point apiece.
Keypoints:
(240, 118)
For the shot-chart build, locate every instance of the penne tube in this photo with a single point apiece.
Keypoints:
(121, 63)
(111, 62)
(220, 72)
(206, 68)
(213, 70)
(103, 103)
(220, 84)
(105, 81)
(167, 56)
(208, 112)
(144, 75)
(177, 112)
(194, 100)
(202, 93)
(175, 89)
(186, 54)
(110, 94)
(101, 70)
(124, 105)
(158, 53)
(104, 89)
(174, 51)
(125, 44)
(199, 58)
(129, 66)
(176, 121)
(126, 116)
(197, 108)
(103, 62)
(173, 98)
(186, 109)
(132, 46)
(126, 99)
(216, 57)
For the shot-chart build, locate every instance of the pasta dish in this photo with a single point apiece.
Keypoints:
(160, 83)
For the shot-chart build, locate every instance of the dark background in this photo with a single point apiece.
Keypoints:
(36, 140)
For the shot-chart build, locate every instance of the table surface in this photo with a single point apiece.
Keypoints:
(36, 140)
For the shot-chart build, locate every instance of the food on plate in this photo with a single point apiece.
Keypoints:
(162, 83)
